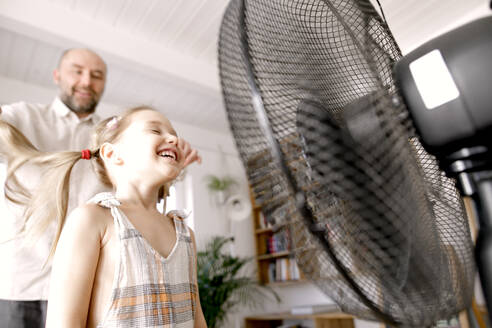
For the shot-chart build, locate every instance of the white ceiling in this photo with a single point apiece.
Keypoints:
(164, 52)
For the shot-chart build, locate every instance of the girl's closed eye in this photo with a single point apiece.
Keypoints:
(156, 131)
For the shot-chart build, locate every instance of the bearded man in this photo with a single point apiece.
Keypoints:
(64, 124)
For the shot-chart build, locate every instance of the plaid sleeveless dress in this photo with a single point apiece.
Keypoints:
(148, 289)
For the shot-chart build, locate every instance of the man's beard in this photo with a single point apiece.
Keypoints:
(70, 102)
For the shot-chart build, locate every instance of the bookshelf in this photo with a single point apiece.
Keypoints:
(320, 320)
(274, 257)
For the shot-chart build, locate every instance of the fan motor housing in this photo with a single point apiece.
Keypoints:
(465, 118)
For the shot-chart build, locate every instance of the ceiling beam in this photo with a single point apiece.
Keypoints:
(66, 28)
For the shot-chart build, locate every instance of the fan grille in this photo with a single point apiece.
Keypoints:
(393, 221)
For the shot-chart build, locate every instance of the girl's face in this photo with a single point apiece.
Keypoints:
(149, 148)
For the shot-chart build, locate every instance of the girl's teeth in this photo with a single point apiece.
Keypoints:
(168, 154)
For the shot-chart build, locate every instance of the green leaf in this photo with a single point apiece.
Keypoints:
(221, 285)
(219, 184)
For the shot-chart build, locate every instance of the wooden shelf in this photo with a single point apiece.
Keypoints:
(321, 320)
(273, 255)
(271, 229)
(273, 268)
(287, 283)
(263, 230)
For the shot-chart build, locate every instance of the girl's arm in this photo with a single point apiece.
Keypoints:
(74, 267)
(199, 317)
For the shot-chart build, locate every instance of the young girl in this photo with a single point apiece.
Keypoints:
(118, 261)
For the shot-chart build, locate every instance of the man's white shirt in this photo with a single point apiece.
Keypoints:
(24, 273)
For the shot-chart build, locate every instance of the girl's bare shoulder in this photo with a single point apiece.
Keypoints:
(90, 218)
(91, 212)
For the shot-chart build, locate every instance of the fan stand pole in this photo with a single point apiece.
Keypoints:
(473, 169)
(483, 248)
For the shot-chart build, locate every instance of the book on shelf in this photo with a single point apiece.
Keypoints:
(279, 242)
(262, 221)
(281, 275)
(294, 269)
(315, 308)
(271, 271)
(283, 269)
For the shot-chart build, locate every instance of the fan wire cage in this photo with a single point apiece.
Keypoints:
(315, 112)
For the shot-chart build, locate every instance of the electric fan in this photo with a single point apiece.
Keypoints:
(331, 154)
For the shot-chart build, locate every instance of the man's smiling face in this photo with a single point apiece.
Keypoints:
(81, 77)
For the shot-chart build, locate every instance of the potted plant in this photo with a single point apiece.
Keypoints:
(220, 186)
(222, 286)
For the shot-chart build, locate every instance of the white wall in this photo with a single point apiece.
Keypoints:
(414, 22)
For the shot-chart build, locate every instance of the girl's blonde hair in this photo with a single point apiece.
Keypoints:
(49, 201)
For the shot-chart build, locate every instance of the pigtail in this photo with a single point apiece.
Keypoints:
(49, 200)
(15, 149)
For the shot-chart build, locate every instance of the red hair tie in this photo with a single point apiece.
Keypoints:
(86, 154)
